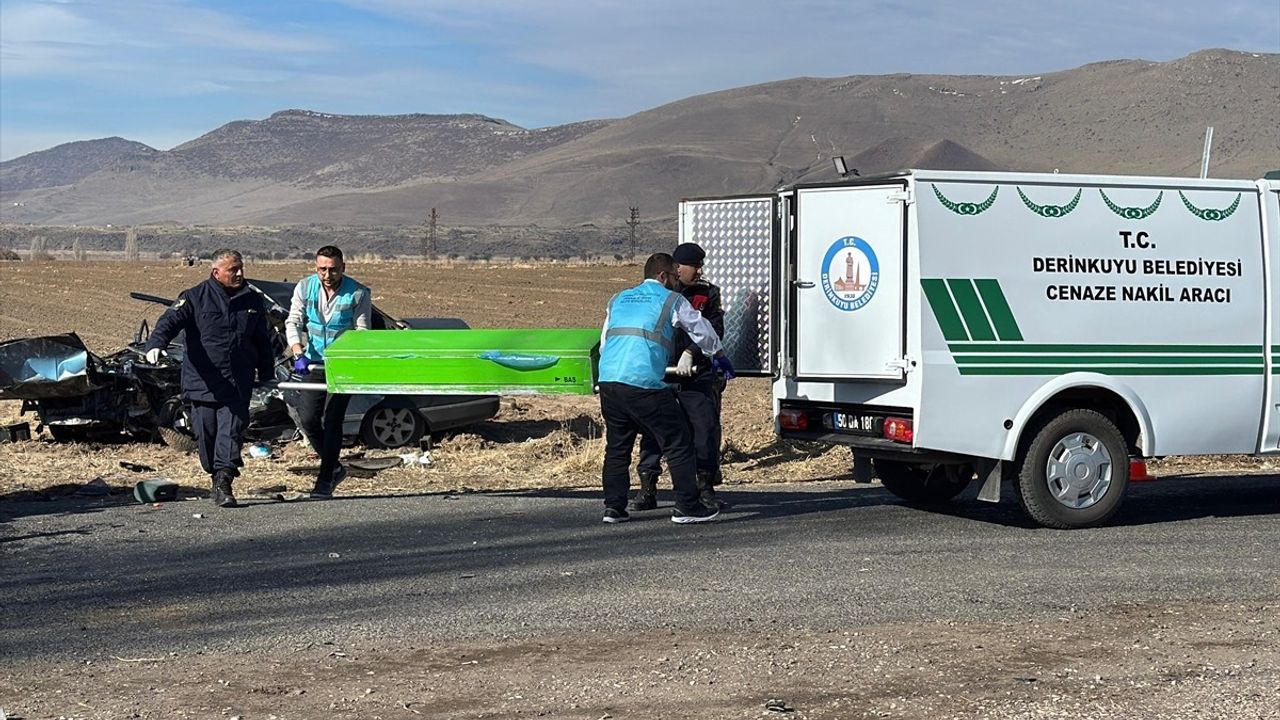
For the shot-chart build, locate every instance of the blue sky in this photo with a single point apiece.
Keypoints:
(166, 71)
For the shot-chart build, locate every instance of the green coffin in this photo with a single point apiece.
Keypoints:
(499, 362)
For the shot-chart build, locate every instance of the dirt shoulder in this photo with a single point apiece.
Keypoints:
(534, 442)
(1141, 661)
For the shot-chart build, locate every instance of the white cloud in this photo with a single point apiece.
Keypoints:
(547, 61)
(88, 40)
(632, 55)
(175, 24)
(45, 39)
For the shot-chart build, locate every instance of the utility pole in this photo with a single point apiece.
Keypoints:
(633, 222)
(131, 245)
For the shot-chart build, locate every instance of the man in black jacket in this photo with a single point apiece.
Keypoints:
(697, 385)
(227, 341)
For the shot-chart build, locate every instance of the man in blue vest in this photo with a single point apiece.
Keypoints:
(638, 335)
(227, 341)
(324, 306)
(697, 385)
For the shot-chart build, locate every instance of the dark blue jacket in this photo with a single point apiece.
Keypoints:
(705, 298)
(228, 339)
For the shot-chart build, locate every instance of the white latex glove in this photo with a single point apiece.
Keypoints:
(684, 367)
(153, 356)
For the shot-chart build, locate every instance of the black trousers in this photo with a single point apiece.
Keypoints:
(629, 411)
(700, 398)
(319, 416)
(219, 430)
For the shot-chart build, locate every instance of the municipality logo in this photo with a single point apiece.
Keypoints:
(850, 273)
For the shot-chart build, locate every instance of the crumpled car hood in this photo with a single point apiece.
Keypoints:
(53, 366)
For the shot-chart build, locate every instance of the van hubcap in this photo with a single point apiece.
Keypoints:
(1079, 470)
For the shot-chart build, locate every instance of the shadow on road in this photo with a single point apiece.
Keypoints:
(1167, 500)
(107, 578)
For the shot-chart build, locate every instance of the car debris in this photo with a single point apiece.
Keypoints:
(80, 396)
(17, 432)
(96, 487)
(155, 491)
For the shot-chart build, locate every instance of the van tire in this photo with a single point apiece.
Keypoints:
(1077, 443)
(923, 484)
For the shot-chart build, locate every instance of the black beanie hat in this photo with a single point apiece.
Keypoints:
(688, 254)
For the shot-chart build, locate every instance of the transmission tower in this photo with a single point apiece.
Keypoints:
(633, 222)
(430, 249)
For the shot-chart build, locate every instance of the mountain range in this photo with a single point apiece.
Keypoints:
(300, 167)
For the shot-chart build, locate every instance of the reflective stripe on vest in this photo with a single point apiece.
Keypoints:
(666, 341)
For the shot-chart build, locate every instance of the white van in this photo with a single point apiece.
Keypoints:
(1038, 328)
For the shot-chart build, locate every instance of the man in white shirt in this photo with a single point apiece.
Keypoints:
(324, 306)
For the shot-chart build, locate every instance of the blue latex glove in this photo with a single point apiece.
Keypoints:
(724, 367)
(302, 365)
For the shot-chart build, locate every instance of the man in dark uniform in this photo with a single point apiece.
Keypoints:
(697, 384)
(227, 341)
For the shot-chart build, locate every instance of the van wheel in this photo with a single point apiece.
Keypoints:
(923, 484)
(392, 426)
(1074, 472)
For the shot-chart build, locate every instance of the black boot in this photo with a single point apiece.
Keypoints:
(707, 491)
(647, 497)
(222, 496)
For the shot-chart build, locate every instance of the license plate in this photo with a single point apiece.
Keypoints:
(861, 423)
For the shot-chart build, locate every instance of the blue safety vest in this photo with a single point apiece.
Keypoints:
(639, 336)
(321, 334)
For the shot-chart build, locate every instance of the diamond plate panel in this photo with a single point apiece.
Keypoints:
(738, 237)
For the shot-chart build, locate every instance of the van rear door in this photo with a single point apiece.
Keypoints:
(847, 296)
(739, 235)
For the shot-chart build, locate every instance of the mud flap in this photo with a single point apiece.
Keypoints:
(862, 470)
(989, 471)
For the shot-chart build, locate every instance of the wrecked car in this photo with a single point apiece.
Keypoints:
(78, 395)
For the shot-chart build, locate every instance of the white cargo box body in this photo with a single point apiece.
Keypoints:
(1021, 286)
(980, 306)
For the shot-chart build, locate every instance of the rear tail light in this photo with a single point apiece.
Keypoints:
(793, 420)
(899, 429)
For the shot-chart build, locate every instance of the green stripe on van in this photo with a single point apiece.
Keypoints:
(1108, 360)
(975, 318)
(935, 291)
(1074, 348)
(998, 309)
(1110, 370)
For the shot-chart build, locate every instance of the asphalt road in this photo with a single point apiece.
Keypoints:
(80, 579)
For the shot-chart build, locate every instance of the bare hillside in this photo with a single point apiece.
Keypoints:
(71, 162)
(1125, 117)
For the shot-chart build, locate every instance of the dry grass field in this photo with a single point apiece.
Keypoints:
(534, 441)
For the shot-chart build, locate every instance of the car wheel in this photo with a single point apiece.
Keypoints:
(391, 426)
(928, 484)
(1075, 471)
(172, 425)
(177, 440)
